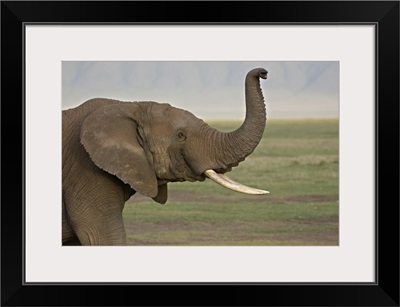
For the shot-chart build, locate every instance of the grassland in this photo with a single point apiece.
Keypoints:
(297, 161)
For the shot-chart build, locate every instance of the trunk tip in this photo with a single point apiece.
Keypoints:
(259, 72)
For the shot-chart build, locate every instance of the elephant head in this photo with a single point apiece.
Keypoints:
(148, 144)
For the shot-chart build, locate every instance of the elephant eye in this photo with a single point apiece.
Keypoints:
(181, 136)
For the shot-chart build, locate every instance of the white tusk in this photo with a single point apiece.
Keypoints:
(226, 182)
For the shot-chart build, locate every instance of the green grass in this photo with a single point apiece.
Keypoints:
(297, 161)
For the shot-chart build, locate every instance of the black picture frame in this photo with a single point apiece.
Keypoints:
(383, 14)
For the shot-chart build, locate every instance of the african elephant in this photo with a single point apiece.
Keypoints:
(113, 149)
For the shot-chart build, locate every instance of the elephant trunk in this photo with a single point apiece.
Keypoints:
(233, 147)
(245, 139)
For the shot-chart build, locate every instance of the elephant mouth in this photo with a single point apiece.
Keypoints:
(185, 173)
(228, 183)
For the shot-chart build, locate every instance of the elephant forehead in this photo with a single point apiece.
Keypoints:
(181, 117)
(168, 118)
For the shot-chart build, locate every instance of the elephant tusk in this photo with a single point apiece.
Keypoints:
(228, 183)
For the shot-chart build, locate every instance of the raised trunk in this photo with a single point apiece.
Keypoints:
(233, 147)
(245, 139)
(222, 151)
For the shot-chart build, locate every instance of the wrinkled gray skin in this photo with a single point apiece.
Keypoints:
(113, 149)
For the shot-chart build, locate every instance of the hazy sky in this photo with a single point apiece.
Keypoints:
(210, 90)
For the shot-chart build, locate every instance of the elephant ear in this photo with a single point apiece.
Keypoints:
(109, 135)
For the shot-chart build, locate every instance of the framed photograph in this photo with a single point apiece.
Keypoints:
(325, 230)
(303, 154)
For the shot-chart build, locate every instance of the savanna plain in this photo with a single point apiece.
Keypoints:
(297, 161)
